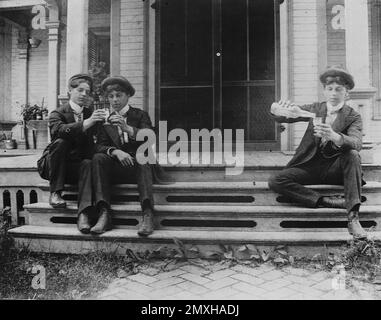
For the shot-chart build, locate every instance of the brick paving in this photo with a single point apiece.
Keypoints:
(239, 282)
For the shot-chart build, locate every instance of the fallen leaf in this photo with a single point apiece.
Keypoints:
(251, 247)
(212, 255)
(279, 260)
(228, 255)
(121, 273)
(194, 250)
(282, 252)
(242, 248)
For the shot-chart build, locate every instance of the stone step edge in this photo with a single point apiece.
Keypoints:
(208, 209)
(194, 237)
(220, 185)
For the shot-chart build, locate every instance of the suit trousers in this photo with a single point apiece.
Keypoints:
(107, 171)
(342, 170)
(66, 167)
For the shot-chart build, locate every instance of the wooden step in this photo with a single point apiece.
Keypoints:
(228, 193)
(216, 217)
(70, 240)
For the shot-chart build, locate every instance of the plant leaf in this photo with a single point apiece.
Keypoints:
(243, 248)
(279, 260)
(252, 247)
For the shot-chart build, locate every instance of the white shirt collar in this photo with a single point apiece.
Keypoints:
(76, 108)
(124, 110)
(331, 108)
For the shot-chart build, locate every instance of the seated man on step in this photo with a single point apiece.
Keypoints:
(115, 162)
(328, 152)
(72, 129)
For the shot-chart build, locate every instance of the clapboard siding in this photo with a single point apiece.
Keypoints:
(5, 70)
(305, 58)
(38, 69)
(132, 46)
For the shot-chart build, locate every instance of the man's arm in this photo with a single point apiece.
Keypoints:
(60, 129)
(283, 119)
(353, 138)
(144, 123)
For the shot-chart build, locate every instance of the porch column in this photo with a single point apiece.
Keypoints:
(357, 55)
(53, 26)
(22, 46)
(77, 37)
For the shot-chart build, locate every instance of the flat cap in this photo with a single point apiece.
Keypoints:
(339, 75)
(122, 81)
(81, 76)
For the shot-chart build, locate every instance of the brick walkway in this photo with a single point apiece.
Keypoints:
(221, 282)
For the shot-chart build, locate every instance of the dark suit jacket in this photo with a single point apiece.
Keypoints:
(348, 124)
(62, 125)
(108, 137)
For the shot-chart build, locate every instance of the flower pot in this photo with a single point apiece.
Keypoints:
(10, 144)
(40, 127)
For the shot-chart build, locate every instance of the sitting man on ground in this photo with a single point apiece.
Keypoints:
(115, 160)
(72, 129)
(328, 152)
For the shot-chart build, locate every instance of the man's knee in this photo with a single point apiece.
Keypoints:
(274, 182)
(351, 155)
(100, 158)
(60, 145)
(85, 165)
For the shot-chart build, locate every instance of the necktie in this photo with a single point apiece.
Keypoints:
(79, 116)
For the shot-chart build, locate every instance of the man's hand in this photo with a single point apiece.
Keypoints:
(326, 132)
(118, 120)
(97, 116)
(124, 158)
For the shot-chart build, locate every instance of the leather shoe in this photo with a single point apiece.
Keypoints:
(331, 202)
(146, 227)
(83, 222)
(104, 222)
(354, 226)
(56, 201)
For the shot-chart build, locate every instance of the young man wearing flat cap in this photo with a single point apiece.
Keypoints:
(115, 160)
(328, 153)
(72, 128)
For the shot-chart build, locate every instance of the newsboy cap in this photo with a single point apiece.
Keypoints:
(83, 76)
(338, 75)
(120, 80)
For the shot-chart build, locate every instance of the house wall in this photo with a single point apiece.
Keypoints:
(132, 47)
(304, 59)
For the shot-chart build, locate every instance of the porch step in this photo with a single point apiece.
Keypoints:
(226, 193)
(215, 217)
(70, 240)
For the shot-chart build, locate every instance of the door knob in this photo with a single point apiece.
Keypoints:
(218, 54)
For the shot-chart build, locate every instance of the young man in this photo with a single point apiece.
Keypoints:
(115, 161)
(328, 153)
(72, 127)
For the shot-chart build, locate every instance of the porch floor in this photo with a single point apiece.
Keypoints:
(27, 159)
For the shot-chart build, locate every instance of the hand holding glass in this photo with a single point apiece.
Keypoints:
(317, 121)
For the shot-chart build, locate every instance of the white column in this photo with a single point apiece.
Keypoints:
(77, 37)
(357, 55)
(53, 26)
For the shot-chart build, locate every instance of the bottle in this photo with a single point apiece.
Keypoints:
(277, 110)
